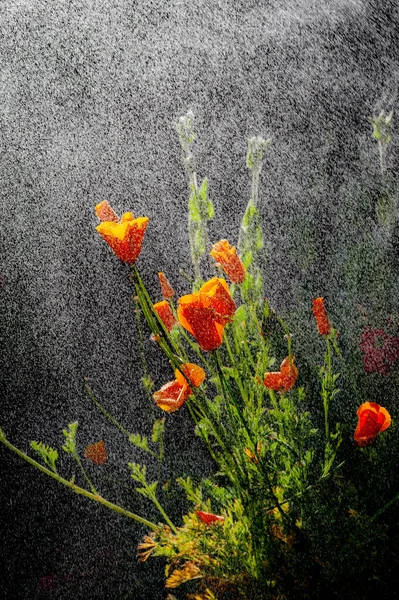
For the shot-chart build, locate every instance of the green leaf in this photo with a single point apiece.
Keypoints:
(206, 207)
(193, 494)
(158, 430)
(47, 454)
(138, 472)
(194, 215)
(70, 438)
(149, 491)
(241, 314)
(139, 441)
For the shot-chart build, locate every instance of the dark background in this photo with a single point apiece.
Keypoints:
(89, 93)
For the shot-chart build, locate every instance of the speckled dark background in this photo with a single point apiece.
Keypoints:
(89, 92)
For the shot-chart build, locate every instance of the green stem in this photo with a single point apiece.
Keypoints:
(384, 508)
(85, 475)
(254, 449)
(114, 421)
(77, 489)
(142, 354)
(105, 412)
(309, 487)
(233, 364)
(326, 399)
(255, 184)
(163, 513)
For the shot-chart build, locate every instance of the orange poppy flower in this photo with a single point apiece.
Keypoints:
(209, 518)
(124, 236)
(165, 314)
(205, 313)
(96, 453)
(173, 395)
(228, 259)
(320, 314)
(373, 419)
(283, 380)
(190, 373)
(166, 289)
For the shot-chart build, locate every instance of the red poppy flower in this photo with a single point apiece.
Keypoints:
(373, 419)
(205, 313)
(320, 314)
(209, 518)
(166, 289)
(165, 314)
(173, 395)
(124, 237)
(96, 453)
(229, 260)
(283, 380)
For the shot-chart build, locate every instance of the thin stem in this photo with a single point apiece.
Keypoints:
(163, 513)
(254, 449)
(326, 398)
(384, 508)
(77, 489)
(113, 420)
(255, 184)
(142, 353)
(85, 475)
(382, 152)
(233, 364)
(309, 487)
(104, 411)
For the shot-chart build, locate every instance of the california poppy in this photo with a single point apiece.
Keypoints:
(173, 395)
(124, 236)
(228, 259)
(205, 313)
(166, 289)
(209, 518)
(283, 380)
(373, 419)
(191, 373)
(320, 314)
(96, 453)
(165, 314)
(105, 212)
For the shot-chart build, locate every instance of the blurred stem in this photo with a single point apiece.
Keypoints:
(76, 488)
(382, 151)
(255, 184)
